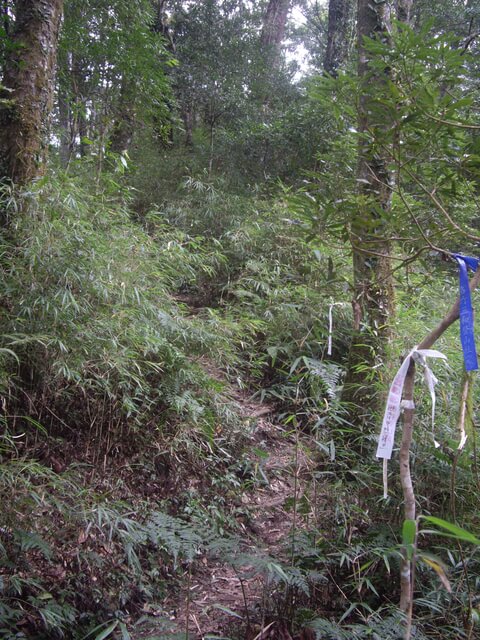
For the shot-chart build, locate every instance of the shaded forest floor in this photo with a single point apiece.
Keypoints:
(223, 598)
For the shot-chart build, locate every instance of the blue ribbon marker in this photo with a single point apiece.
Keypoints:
(466, 312)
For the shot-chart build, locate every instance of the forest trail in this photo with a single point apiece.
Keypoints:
(227, 599)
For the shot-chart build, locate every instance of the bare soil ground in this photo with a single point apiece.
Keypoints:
(220, 600)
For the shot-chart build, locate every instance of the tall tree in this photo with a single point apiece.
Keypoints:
(27, 91)
(112, 75)
(271, 39)
(339, 19)
(124, 125)
(214, 46)
(274, 24)
(373, 291)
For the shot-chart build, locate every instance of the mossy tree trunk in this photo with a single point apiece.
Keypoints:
(373, 292)
(339, 20)
(373, 288)
(28, 89)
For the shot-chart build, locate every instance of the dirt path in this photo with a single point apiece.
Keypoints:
(221, 600)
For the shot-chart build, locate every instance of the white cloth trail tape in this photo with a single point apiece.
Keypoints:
(330, 329)
(395, 404)
(463, 413)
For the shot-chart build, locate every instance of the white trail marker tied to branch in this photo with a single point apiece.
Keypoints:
(395, 404)
(330, 324)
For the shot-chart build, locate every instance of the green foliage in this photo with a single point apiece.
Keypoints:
(126, 309)
(453, 531)
(215, 44)
(118, 555)
(381, 625)
(423, 119)
(108, 328)
(115, 46)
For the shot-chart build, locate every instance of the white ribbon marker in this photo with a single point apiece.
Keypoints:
(463, 440)
(330, 330)
(463, 413)
(430, 379)
(395, 404)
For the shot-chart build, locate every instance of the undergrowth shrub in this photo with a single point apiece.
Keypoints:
(117, 333)
(71, 555)
(88, 313)
(100, 370)
(267, 289)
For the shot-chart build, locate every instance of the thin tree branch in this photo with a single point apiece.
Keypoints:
(441, 208)
(419, 226)
(452, 123)
(469, 41)
(407, 568)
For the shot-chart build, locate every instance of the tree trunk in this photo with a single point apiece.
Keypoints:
(212, 139)
(64, 111)
(29, 84)
(188, 118)
(124, 125)
(80, 125)
(160, 23)
(273, 30)
(373, 299)
(339, 16)
(374, 294)
(403, 9)
(65, 128)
